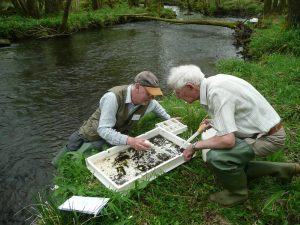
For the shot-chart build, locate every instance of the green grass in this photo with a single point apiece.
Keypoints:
(273, 37)
(12, 25)
(227, 7)
(191, 115)
(181, 195)
(17, 27)
(249, 7)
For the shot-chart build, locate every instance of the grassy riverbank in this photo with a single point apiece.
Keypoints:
(181, 196)
(17, 27)
(240, 8)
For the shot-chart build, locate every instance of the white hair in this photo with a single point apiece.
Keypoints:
(181, 75)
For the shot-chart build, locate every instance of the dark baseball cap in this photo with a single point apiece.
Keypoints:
(148, 80)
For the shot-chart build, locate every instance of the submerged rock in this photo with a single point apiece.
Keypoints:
(4, 42)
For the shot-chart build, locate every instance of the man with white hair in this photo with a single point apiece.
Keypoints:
(246, 125)
(120, 108)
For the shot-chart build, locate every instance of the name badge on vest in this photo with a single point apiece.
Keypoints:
(136, 117)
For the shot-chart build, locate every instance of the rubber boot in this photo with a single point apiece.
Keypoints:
(284, 172)
(86, 148)
(59, 155)
(235, 185)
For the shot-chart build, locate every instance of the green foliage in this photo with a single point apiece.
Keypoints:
(19, 27)
(249, 7)
(18, 23)
(165, 13)
(227, 7)
(273, 37)
(191, 115)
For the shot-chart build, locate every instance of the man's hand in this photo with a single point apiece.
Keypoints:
(139, 143)
(188, 153)
(206, 124)
(178, 119)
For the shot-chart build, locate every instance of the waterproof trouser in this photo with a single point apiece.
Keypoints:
(237, 158)
(76, 140)
(282, 171)
(229, 160)
(229, 166)
(233, 167)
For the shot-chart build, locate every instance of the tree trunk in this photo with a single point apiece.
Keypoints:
(96, 4)
(52, 6)
(275, 6)
(229, 24)
(267, 6)
(132, 3)
(293, 18)
(218, 4)
(64, 27)
(19, 7)
(206, 6)
(75, 6)
(146, 3)
(30, 8)
(110, 3)
(189, 7)
(282, 6)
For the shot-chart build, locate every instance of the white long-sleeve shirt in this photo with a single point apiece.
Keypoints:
(109, 106)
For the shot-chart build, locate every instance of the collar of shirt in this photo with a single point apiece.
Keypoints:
(203, 94)
(128, 95)
(128, 100)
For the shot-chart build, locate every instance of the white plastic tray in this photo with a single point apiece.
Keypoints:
(149, 175)
(172, 125)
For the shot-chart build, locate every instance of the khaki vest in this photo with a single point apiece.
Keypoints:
(124, 121)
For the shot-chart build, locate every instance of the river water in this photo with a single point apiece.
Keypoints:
(48, 87)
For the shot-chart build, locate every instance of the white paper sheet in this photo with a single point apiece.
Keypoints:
(89, 205)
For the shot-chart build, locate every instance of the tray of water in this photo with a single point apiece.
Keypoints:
(120, 168)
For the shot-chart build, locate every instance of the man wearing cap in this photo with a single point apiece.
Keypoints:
(120, 108)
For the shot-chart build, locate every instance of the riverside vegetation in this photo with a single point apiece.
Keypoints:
(225, 7)
(16, 27)
(181, 195)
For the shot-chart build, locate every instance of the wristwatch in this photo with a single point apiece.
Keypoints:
(194, 146)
